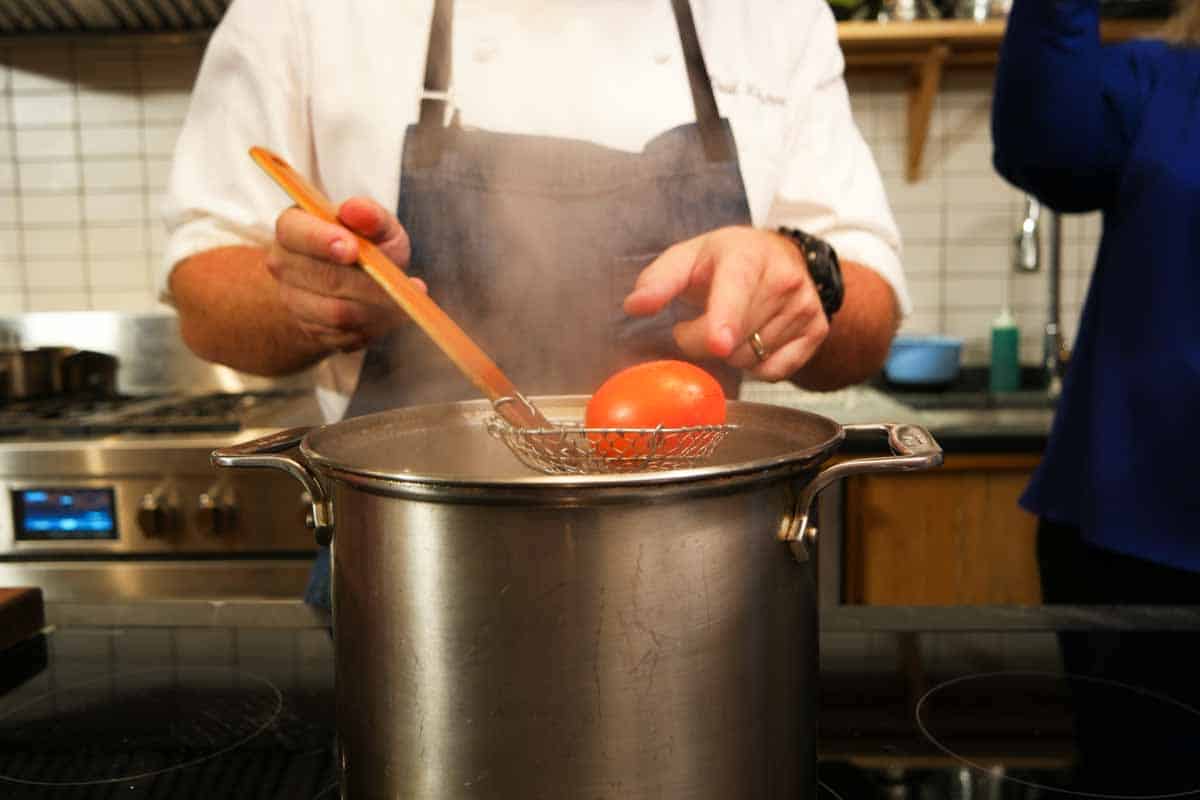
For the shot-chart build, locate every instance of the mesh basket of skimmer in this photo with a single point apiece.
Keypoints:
(567, 449)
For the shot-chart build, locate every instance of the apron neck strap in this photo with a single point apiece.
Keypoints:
(437, 66)
(716, 144)
(708, 117)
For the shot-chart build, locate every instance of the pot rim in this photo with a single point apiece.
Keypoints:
(730, 475)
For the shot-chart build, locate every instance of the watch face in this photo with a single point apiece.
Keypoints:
(824, 268)
(831, 293)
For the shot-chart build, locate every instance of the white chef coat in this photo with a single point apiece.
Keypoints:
(332, 86)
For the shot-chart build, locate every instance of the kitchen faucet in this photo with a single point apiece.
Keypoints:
(1029, 241)
(1028, 258)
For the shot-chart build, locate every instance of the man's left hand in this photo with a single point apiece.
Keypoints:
(745, 281)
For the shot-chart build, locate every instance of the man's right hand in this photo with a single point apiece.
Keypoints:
(332, 301)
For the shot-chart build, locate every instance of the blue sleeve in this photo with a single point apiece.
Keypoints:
(1066, 107)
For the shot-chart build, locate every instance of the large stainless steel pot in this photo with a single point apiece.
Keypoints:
(505, 634)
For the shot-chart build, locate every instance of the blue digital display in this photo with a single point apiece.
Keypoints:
(64, 514)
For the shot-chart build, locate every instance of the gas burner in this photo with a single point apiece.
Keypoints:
(1125, 742)
(132, 726)
(210, 412)
(63, 413)
(66, 406)
(86, 415)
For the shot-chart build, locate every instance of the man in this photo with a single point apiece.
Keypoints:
(613, 172)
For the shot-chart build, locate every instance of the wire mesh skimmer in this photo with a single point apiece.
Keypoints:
(567, 448)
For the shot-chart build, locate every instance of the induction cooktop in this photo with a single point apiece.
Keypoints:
(248, 713)
(169, 713)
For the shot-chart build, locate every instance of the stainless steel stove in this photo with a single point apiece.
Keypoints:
(122, 502)
(113, 496)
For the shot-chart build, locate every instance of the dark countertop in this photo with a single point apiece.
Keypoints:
(235, 700)
(963, 419)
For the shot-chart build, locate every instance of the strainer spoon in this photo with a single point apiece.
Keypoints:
(445, 332)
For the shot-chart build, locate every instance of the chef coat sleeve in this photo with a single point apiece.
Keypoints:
(1066, 107)
(250, 90)
(831, 186)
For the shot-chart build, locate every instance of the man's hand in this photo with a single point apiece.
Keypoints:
(278, 309)
(746, 281)
(333, 303)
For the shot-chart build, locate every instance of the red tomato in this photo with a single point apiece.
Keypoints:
(674, 394)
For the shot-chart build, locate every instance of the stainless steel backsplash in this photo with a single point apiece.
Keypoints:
(151, 354)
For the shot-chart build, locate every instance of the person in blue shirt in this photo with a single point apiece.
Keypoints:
(1086, 126)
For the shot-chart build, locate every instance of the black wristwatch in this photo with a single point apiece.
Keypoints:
(823, 266)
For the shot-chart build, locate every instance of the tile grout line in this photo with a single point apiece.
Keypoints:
(18, 211)
(147, 231)
(81, 194)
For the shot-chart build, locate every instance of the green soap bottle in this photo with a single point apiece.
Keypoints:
(1005, 372)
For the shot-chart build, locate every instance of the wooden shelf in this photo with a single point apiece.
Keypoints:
(891, 44)
(926, 48)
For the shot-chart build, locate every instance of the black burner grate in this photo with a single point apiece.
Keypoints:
(68, 416)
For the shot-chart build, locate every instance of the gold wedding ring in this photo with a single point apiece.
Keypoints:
(760, 349)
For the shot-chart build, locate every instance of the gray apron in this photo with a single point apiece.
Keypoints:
(531, 244)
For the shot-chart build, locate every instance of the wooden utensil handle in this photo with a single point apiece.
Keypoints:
(454, 342)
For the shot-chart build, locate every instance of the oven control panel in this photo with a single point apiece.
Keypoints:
(150, 497)
(63, 514)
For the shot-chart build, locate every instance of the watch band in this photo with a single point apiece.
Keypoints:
(823, 266)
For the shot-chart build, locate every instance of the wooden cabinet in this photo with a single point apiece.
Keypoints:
(949, 536)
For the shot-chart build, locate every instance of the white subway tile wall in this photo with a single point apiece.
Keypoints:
(960, 220)
(87, 130)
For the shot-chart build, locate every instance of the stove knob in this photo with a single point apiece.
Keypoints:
(216, 510)
(157, 515)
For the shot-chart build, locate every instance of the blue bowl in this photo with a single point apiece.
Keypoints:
(923, 360)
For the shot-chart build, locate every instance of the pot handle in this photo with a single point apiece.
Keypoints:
(913, 448)
(261, 453)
